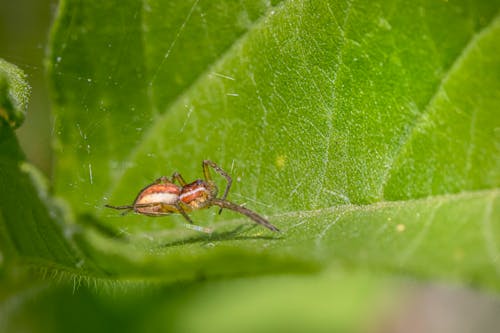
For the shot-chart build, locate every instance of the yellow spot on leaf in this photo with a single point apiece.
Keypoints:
(400, 228)
(280, 161)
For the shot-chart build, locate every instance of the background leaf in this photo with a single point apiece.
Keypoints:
(28, 231)
(14, 93)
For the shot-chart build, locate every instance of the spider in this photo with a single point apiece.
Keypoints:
(164, 197)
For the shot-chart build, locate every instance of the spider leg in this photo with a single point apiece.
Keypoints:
(245, 211)
(126, 208)
(177, 177)
(136, 208)
(220, 171)
(162, 179)
(183, 212)
(119, 207)
(191, 225)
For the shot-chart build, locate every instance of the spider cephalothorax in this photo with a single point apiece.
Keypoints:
(198, 194)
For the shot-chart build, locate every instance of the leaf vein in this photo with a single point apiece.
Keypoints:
(150, 131)
(424, 115)
(330, 113)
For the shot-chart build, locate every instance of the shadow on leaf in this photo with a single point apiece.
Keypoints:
(238, 233)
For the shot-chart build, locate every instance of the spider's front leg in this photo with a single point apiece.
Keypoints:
(220, 171)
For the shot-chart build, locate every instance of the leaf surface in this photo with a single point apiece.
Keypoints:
(366, 131)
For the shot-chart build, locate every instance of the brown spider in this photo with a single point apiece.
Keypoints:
(164, 197)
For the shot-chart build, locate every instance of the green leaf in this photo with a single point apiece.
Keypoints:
(367, 132)
(30, 223)
(14, 93)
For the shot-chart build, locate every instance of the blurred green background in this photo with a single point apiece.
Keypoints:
(24, 26)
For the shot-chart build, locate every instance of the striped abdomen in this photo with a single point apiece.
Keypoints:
(158, 199)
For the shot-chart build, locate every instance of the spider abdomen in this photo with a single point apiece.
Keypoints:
(157, 199)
